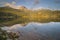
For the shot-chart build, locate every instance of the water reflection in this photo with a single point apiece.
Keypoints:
(37, 31)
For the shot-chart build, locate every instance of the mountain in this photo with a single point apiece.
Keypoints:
(10, 16)
(22, 7)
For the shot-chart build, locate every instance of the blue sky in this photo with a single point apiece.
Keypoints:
(52, 4)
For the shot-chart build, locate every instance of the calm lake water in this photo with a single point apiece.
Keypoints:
(37, 31)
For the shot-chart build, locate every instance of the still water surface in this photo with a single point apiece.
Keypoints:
(37, 31)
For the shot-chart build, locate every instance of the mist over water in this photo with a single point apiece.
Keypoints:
(37, 31)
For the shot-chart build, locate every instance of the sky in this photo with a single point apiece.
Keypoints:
(36, 4)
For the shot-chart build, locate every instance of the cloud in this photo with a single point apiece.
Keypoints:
(35, 3)
(7, 3)
(57, 1)
(42, 8)
(12, 5)
(2, 3)
(13, 2)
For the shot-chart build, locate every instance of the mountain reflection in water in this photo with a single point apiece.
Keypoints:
(37, 31)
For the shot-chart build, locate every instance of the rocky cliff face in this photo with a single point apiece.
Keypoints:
(22, 7)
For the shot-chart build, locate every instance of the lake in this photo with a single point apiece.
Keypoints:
(36, 31)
